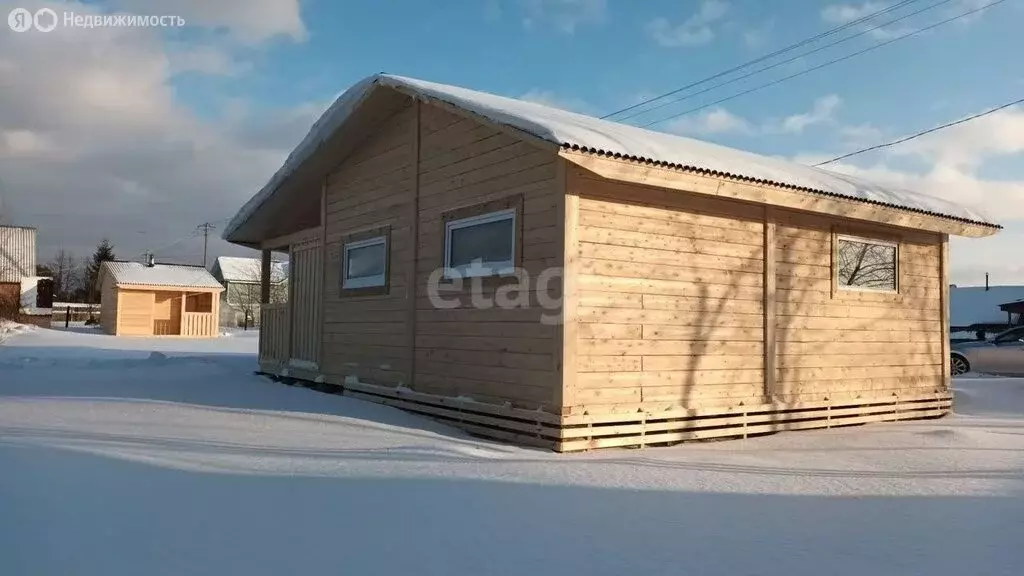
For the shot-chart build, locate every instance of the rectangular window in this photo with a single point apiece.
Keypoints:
(865, 264)
(483, 245)
(365, 263)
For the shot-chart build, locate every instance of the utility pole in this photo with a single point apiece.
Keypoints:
(205, 228)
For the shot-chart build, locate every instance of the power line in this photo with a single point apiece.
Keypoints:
(205, 228)
(788, 60)
(192, 234)
(922, 133)
(759, 59)
(829, 63)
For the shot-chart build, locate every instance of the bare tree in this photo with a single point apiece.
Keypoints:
(867, 265)
(244, 295)
(65, 272)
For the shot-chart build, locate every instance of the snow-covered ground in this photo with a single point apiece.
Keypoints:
(117, 461)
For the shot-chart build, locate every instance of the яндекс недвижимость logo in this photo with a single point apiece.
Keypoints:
(22, 20)
(46, 20)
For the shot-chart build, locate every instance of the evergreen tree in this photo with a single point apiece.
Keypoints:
(104, 253)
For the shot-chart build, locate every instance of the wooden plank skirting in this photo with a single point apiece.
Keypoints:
(586, 432)
(574, 433)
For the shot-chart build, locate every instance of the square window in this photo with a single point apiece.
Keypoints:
(864, 264)
(365, 263)
(483, 245)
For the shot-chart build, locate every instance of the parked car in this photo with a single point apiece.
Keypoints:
(1003, 354)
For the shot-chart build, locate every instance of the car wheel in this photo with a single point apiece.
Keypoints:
(959, 365)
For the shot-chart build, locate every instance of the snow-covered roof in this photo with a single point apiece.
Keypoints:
(586, 133)
(135, 273)
(974, 305)
(237, 269)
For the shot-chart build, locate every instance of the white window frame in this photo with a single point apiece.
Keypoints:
(477, 269)
(863, 240)
(369, 281)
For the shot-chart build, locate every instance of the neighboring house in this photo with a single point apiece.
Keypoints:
(988, 309)
(24, 296)
(240, 301)
(153, 299)
(1014, 312)
(628, 287)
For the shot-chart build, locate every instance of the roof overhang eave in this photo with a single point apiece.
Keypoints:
(649, 173)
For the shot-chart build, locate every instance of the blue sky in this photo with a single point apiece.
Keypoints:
(237, 88)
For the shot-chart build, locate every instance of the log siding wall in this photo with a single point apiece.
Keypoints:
(428, 162)
(135, 312)
(363, 335)
(840, 344)
(670, 304)
(678, 306)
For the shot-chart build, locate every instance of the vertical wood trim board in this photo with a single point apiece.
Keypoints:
(769, 303)
(834, 262)
(566, 335)
(944, 303)
(322, 280)
(182, 300)
(293, 273)
(411, 284)
(117, 312)
(264, 276)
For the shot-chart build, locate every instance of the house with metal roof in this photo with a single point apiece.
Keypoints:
(990, 309)
(554, 279)
(24, 295)
(240, 301)
(151, 299)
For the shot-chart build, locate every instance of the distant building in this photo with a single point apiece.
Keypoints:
(24, 296)
(985, 309)
(240, 301)
(158, 300)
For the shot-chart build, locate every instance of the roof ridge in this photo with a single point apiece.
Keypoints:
(587, 133)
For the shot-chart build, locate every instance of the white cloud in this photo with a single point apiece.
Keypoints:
(492, 10)
(93, 142)
(966, 146)
(695, 30)
(205, 59)
(755, 38)
(821, 113)
(954, 163)
(712, 121)
(718, 120)
(248, 20)
(549, 98)
(843, 13)
(860, 136)
(566, 15)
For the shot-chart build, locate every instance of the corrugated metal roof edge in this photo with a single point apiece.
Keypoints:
(130, 283)
(696, 169)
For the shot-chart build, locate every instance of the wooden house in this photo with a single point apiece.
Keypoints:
(153, 299)
(553, 279)
(240, 301)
